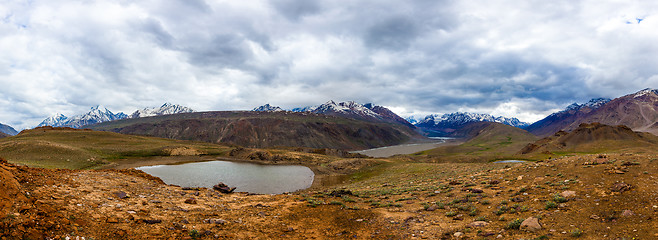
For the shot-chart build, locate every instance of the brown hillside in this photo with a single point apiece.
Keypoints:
(638, 111)
(592, 137)
(267, 129)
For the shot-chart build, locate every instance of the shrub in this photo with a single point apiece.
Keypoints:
(514, 224)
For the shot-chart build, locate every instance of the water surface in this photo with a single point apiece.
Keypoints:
(246, 177)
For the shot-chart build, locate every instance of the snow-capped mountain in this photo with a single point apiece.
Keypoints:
(7, 129)
(411, 119)
(267, 108)
(97, 114)
(638, 111)
(351, 109)
(55, 121)
(593, 104)
(459, 118)
(165, 109)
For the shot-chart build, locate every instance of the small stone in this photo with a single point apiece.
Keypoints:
(112, 220)
(215, 221)
(458, 234)
(120, 194)
(531, 224)
(475, 190)
(519, 178)
(620, 187)
(568, 194)
(151, 221)
(499, 236)
(432, 208)
(477, 224)
(458, 217)
(627, 213)
(190, 201)
(595, 217)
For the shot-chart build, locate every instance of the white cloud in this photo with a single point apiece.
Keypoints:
(519, 59)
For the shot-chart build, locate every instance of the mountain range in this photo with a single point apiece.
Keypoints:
(6, 129)
(449, 124)
(99, 114)
(349, 109)
(638, 111)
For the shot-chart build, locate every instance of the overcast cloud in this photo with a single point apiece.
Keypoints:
(521, 59)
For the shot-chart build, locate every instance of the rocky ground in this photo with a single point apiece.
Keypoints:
(586, 197)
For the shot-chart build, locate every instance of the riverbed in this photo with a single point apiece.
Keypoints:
(389, 151)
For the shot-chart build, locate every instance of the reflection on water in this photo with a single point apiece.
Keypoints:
(246, 177)
(510, 161)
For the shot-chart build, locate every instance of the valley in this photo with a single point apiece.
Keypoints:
(373, 177)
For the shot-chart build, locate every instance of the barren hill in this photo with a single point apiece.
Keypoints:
(592, 137)
(490, 141)
(267, 129)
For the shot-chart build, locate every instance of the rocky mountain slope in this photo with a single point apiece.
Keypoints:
(165, 109)
(639, 111)
(99, 114)
(450, 124)
(8, 130)
(267, 108)
(351, 109)
(268, 129)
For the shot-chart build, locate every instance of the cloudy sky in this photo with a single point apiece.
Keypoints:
(524, 59)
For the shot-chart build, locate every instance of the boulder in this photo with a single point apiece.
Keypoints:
(223, 188)
(531, 224)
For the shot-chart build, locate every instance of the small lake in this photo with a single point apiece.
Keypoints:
(510, 161)
(246, 177)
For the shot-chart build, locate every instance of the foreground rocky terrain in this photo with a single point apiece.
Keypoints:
(596, 196)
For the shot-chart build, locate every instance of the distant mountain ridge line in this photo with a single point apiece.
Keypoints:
(99, 114)
(638, 111)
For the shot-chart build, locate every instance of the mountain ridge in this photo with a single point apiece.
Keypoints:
(6, 129)
(99, 114)
(638, 110)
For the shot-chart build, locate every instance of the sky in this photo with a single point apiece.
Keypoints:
(523, 59)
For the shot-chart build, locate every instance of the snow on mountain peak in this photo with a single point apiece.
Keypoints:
(459, 118)
(165, 109)
(645, 92)
(267, 108)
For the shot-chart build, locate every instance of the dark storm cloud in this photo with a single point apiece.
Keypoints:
(395, 33)
(296, 9)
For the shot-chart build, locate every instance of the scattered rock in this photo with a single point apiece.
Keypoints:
(627, 213)
(120, 194)
(477, 224)
(454, 182)
(531, 224)
(340, 193)
(568, 194)
(112, 220)
(517, 199)
(458, 217)
(458, 234)
(215, 221)
(519, 178)
(494, 182)
(620, 187)
(630, 164)
(151, 221)
(223, 188)
(190, 201)
(434, 207)
(475, 190)
(595, 217)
